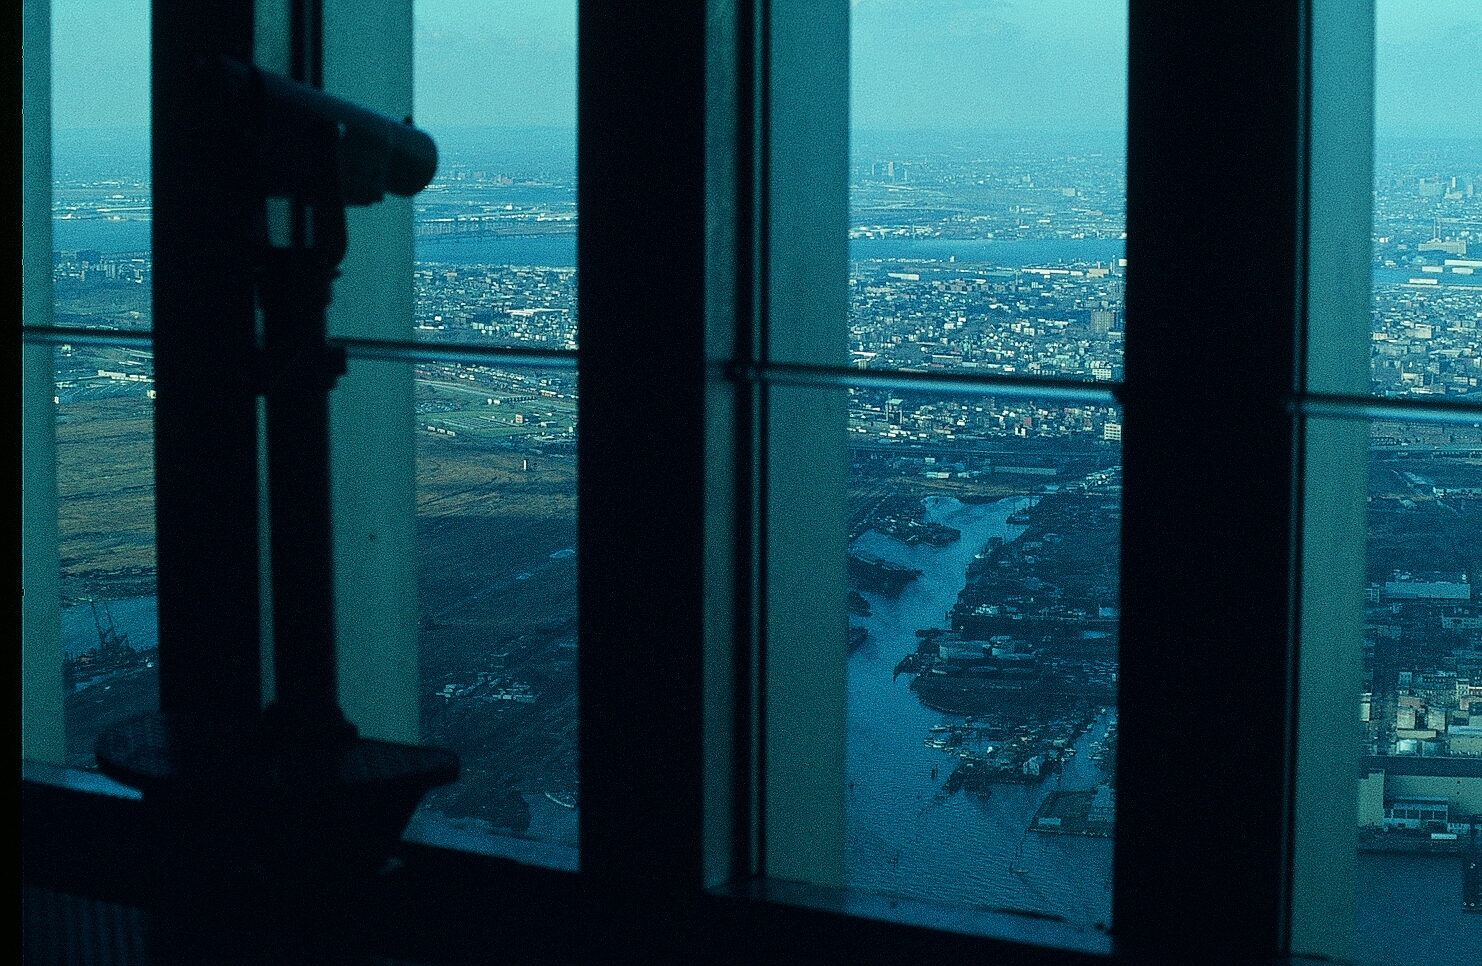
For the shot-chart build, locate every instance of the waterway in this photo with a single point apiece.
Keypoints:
(1407, 909)
(559, 251)
(905, 838)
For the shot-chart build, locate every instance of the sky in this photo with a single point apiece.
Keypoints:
(946, 64)
(1042, 65)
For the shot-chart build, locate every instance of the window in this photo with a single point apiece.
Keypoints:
(1419, 642)
(496, 425)
(713, 173)
(987, 234)
(101, 280)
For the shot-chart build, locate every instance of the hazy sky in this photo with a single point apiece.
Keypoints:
(1037, 64)
(1428, 66)
(1041, 64)
(500, 62)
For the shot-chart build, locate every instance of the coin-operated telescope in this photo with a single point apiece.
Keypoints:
(300, 792)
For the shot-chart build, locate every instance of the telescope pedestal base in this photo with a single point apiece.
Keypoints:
(267, 805)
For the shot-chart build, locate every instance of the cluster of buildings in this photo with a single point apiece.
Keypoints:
(881, 418)
(1427, 203)
(1423, 651)
(1063, 321)
(996, 189)
(1434, 804)
(487, 688)
(1427, 303)
(91, 265)
(86, 373)
(1427, 339)
(496, 304)
(1422, 712)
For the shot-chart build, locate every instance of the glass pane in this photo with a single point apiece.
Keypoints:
(1427, 202)
(496, 564)
(496, 229)
(495, 237)
(1420, 800)
(100, 164)
(988, 187)
(105, 499)
(101, 275)
(1420, 794)
(983, 627)
(987, 235)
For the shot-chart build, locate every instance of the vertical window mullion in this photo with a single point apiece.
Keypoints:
(372, 450)
(42, 733)
(204, 328)
(1339, 169)
(1215, 145)
(641, 490)
(805, 234)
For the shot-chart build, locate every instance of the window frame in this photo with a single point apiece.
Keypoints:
(678, 801)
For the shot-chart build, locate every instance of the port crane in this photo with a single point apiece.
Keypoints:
(109, 638)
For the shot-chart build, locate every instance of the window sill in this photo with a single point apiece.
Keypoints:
(448, 834)
(883, 929)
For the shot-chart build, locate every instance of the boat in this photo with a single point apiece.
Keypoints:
(878, 575)
(1017, 866)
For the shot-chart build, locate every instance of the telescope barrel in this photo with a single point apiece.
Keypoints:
(377, 153)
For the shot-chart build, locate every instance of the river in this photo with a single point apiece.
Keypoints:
(559, 251)
(904, 837)
(135, 617)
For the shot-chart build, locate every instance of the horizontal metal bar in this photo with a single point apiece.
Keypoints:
(398, 351)
(1313, 405)
(1379, 407)
(955, 381)
(380, 349)
(72, 335)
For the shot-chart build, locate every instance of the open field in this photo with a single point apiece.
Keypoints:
(1411, 527)
(496, 530)
(493, 598)
(105, 497)
(110, 305)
